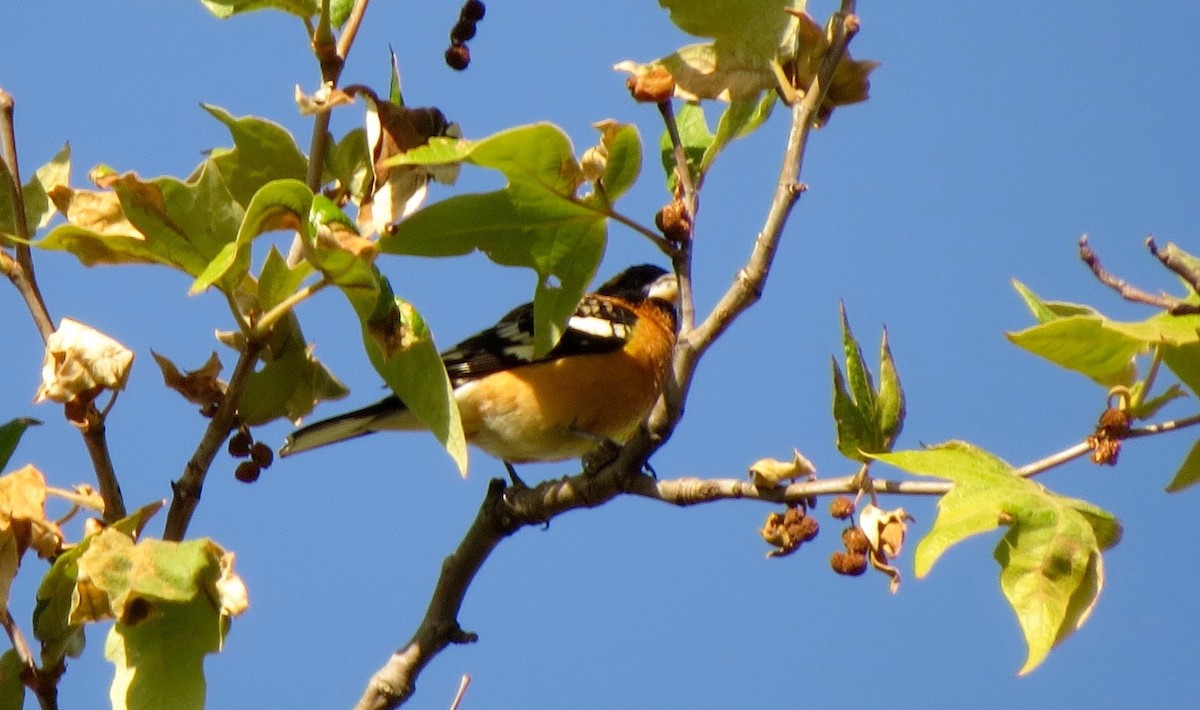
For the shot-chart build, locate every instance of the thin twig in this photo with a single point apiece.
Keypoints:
(350, 29)
(96, 442)
(188, 488)
(21, 272)
(268, 319)
(44, 685)
(1178, 266)
(1128, 291)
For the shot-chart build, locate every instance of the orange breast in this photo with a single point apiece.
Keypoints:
(563, 409)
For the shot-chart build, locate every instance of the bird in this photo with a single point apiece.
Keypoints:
(594, 388)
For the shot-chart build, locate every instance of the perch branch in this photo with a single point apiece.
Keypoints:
(506, 510)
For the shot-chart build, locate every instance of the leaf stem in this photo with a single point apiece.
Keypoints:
(268, 319)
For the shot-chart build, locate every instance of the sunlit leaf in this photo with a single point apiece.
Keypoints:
(35, 194)
(395, 336)
(623, 148)
(536, 221)
(1085, 345)
(1189, 471)
(165, 221)
(695, 138)
(279, 204)
(262, 152)
(1049, 310)
(300, 8)
(1051, 570)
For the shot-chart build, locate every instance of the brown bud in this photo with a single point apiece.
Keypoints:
(841, 507)
(1114, 423)
(672, 220)
(655, 86)
(247, 472)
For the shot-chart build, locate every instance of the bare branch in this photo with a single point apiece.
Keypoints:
(20, 272)
(1177, 265)
(1127, 290)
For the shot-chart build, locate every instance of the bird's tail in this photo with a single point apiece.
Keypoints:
(368, 420)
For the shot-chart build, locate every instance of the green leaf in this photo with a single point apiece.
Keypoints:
(868, 420)
(1051, 568)
(891, 404)
(1184, 361)
(748, 28)
(10, 434)
(536, 221)
(164, 221)
(291, 384)
(624, 163)
(1045, 311)
(279, 204)
(35, 194)
(1083, 344)
(416, 374)
(349, 162)
(169, 614)
(227, 8)
(396, 338)
(278, 281)
(55, 596)
(1148, 408)
(862, 386)
(263, 152)
(695, 138)
(854, 429)
(1188, 473)
(741, 118)
(395, 95)
(12, 690)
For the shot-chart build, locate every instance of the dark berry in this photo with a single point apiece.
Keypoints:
(247, 472)
(472, 11)
(240, 443)
(458, 57)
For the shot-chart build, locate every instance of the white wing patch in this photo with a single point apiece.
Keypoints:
(599, 327)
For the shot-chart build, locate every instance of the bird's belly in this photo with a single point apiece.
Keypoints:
(557, 410)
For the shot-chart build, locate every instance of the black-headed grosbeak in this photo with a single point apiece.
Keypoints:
(596, 385)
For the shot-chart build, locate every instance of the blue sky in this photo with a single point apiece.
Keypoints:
(996, 134)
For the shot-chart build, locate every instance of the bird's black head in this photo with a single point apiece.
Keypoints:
(638, 283)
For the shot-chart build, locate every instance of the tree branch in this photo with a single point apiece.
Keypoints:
(188, 488)
(20, 271)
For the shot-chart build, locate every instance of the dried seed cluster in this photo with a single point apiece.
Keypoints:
(788, 530)
(853, 560)
(458, 56)
(259, 456)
